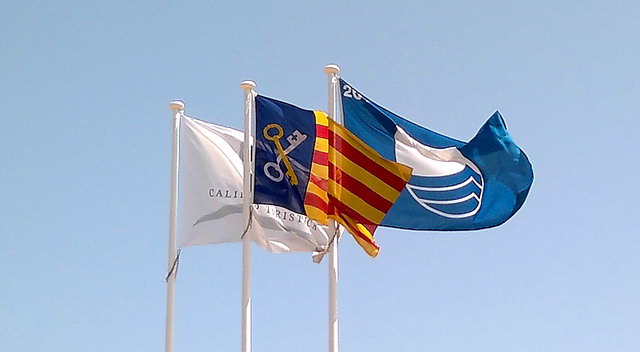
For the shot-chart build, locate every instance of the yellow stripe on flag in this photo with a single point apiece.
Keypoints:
(316, 214)
(322, 145)
(360, 233)
(356, 203)
(320, 171)
(383, 189)
(321, 117)
(315, 189)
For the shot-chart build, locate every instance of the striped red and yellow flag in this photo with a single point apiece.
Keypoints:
(351, 183)
(316, 201)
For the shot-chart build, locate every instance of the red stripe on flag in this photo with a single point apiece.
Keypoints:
(363, 192)
(345, 209)
(332, 171)
(315, 201)
(320, 158)
(356, 156)
(322, 131)
(319, 181)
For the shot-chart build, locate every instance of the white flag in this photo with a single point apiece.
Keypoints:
(211, 196)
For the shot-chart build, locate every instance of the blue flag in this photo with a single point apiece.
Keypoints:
(285, 137)
(454, 185)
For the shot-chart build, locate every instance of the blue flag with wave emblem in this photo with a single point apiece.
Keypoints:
(454, 185)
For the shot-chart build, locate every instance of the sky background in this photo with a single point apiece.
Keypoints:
(85, 149)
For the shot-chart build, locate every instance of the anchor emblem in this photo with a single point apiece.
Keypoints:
(272, 170)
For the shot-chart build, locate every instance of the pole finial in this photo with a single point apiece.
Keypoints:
(331, 69)
(176, 105)
(248, 84)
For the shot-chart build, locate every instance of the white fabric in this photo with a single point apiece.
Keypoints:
(211, 196)
(432, 162)
(429, 161)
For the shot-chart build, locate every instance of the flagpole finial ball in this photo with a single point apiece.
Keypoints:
(248, 84)
(176, 105)
(331, 68)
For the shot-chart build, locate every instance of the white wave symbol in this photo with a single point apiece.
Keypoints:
(439, 206)
(454, 200)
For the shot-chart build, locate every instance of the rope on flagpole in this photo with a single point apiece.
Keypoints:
(249, 223)
(336, 233)
(175, 266)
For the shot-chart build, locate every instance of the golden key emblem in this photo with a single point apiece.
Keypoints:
(275, 137)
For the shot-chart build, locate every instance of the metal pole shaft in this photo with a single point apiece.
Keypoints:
(177, 108)
(249, 111)
(332, 73)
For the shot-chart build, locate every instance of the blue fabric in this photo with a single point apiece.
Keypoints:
(291, 119)
(505, 180)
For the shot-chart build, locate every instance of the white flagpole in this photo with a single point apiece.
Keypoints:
(247, 190)
(332, 72)
(177, 109)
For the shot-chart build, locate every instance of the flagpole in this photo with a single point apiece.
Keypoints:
(332, 72)
(249, 117)
(177, 109)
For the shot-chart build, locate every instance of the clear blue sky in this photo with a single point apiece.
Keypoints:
(85, 151)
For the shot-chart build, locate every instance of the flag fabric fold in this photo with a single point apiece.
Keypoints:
(211, 196)
(312, 165)
(454, 185)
